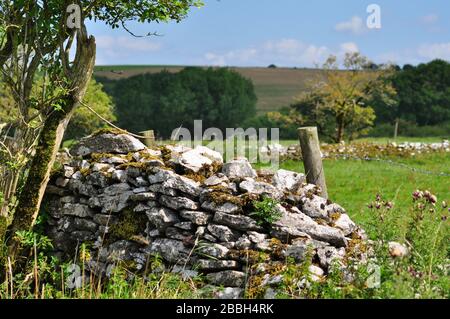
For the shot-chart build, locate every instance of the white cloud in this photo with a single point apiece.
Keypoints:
(349, 47)
(355, 25)
(435, 51)
(282, 52)
(431, 18)
(125, 46)
(421, 54)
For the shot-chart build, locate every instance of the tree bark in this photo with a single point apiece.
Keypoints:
(340, 128)
(49, 142)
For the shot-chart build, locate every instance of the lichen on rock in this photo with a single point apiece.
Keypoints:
(195, 212)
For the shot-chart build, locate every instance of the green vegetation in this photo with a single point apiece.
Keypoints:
(165, 101)
(265, 211)
(353, 183)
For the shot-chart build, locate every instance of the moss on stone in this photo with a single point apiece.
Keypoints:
(108, 130)
(128, 225)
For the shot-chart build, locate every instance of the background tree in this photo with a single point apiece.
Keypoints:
(84, 122)
(345, 96)
(35, 37)
(163, 101)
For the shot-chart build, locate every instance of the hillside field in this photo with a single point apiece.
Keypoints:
(274, 87)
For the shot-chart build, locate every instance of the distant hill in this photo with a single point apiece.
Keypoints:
(275, 87)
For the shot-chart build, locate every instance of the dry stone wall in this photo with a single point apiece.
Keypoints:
(130, 203)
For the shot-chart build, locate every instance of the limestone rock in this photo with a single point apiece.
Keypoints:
(107, 143)
(297, 224)
(227, 207)
(288, 181)
(198, 218)
(201, 156)
(260, 188)
(77, 210)
(178, 203)
(223, 233)
(213, 250)
(162, 217)
(230, 278)
(239, 222)
(238, 169)
(345, 224)
(397, 250)
(211, 264)
(173, 251)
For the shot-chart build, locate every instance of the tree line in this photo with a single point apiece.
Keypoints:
(165, 101)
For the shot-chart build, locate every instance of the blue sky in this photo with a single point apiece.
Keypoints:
(284, 32)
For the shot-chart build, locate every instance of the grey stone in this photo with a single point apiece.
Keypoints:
(345, 224)
(212, 250)
(119, 176)
(315, 273)
(185, 273)
(162, 217)
(111, 203)
(211, 264)
(98, 179)
(100, 167)
(170, 250)
(260, 188)
(227, 207)
(82, 235)
(178, 203)
(197, 158)
(238, 169)
(62, 182)
(288, 181)
(327, 255)
(230, 278)
(142, 197)
(178, 234)
(239, 222)
(142, 189)
(185, 225)
(77, 210)
(223, 233)
(107, 143)
(294, 225)
(159, 188)
(116, 189)
(218, 179)
(229, 293)
(315, 207)
(170, 179)
(84, 224)
(243, 243)
(103, 219)
(198, 218)
(68, 171)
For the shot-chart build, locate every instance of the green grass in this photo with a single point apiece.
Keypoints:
(354, 183)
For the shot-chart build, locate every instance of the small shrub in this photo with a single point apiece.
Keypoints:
(266, 211)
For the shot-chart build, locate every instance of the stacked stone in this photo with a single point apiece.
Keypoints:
(191, 209)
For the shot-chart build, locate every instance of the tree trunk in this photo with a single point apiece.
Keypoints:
(49, 142)
(340, 128)
(396, 128)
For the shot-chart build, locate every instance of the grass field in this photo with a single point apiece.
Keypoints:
(274, 87)
(353, 183)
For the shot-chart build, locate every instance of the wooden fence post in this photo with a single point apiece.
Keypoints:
(149, 139)
(312, 160)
